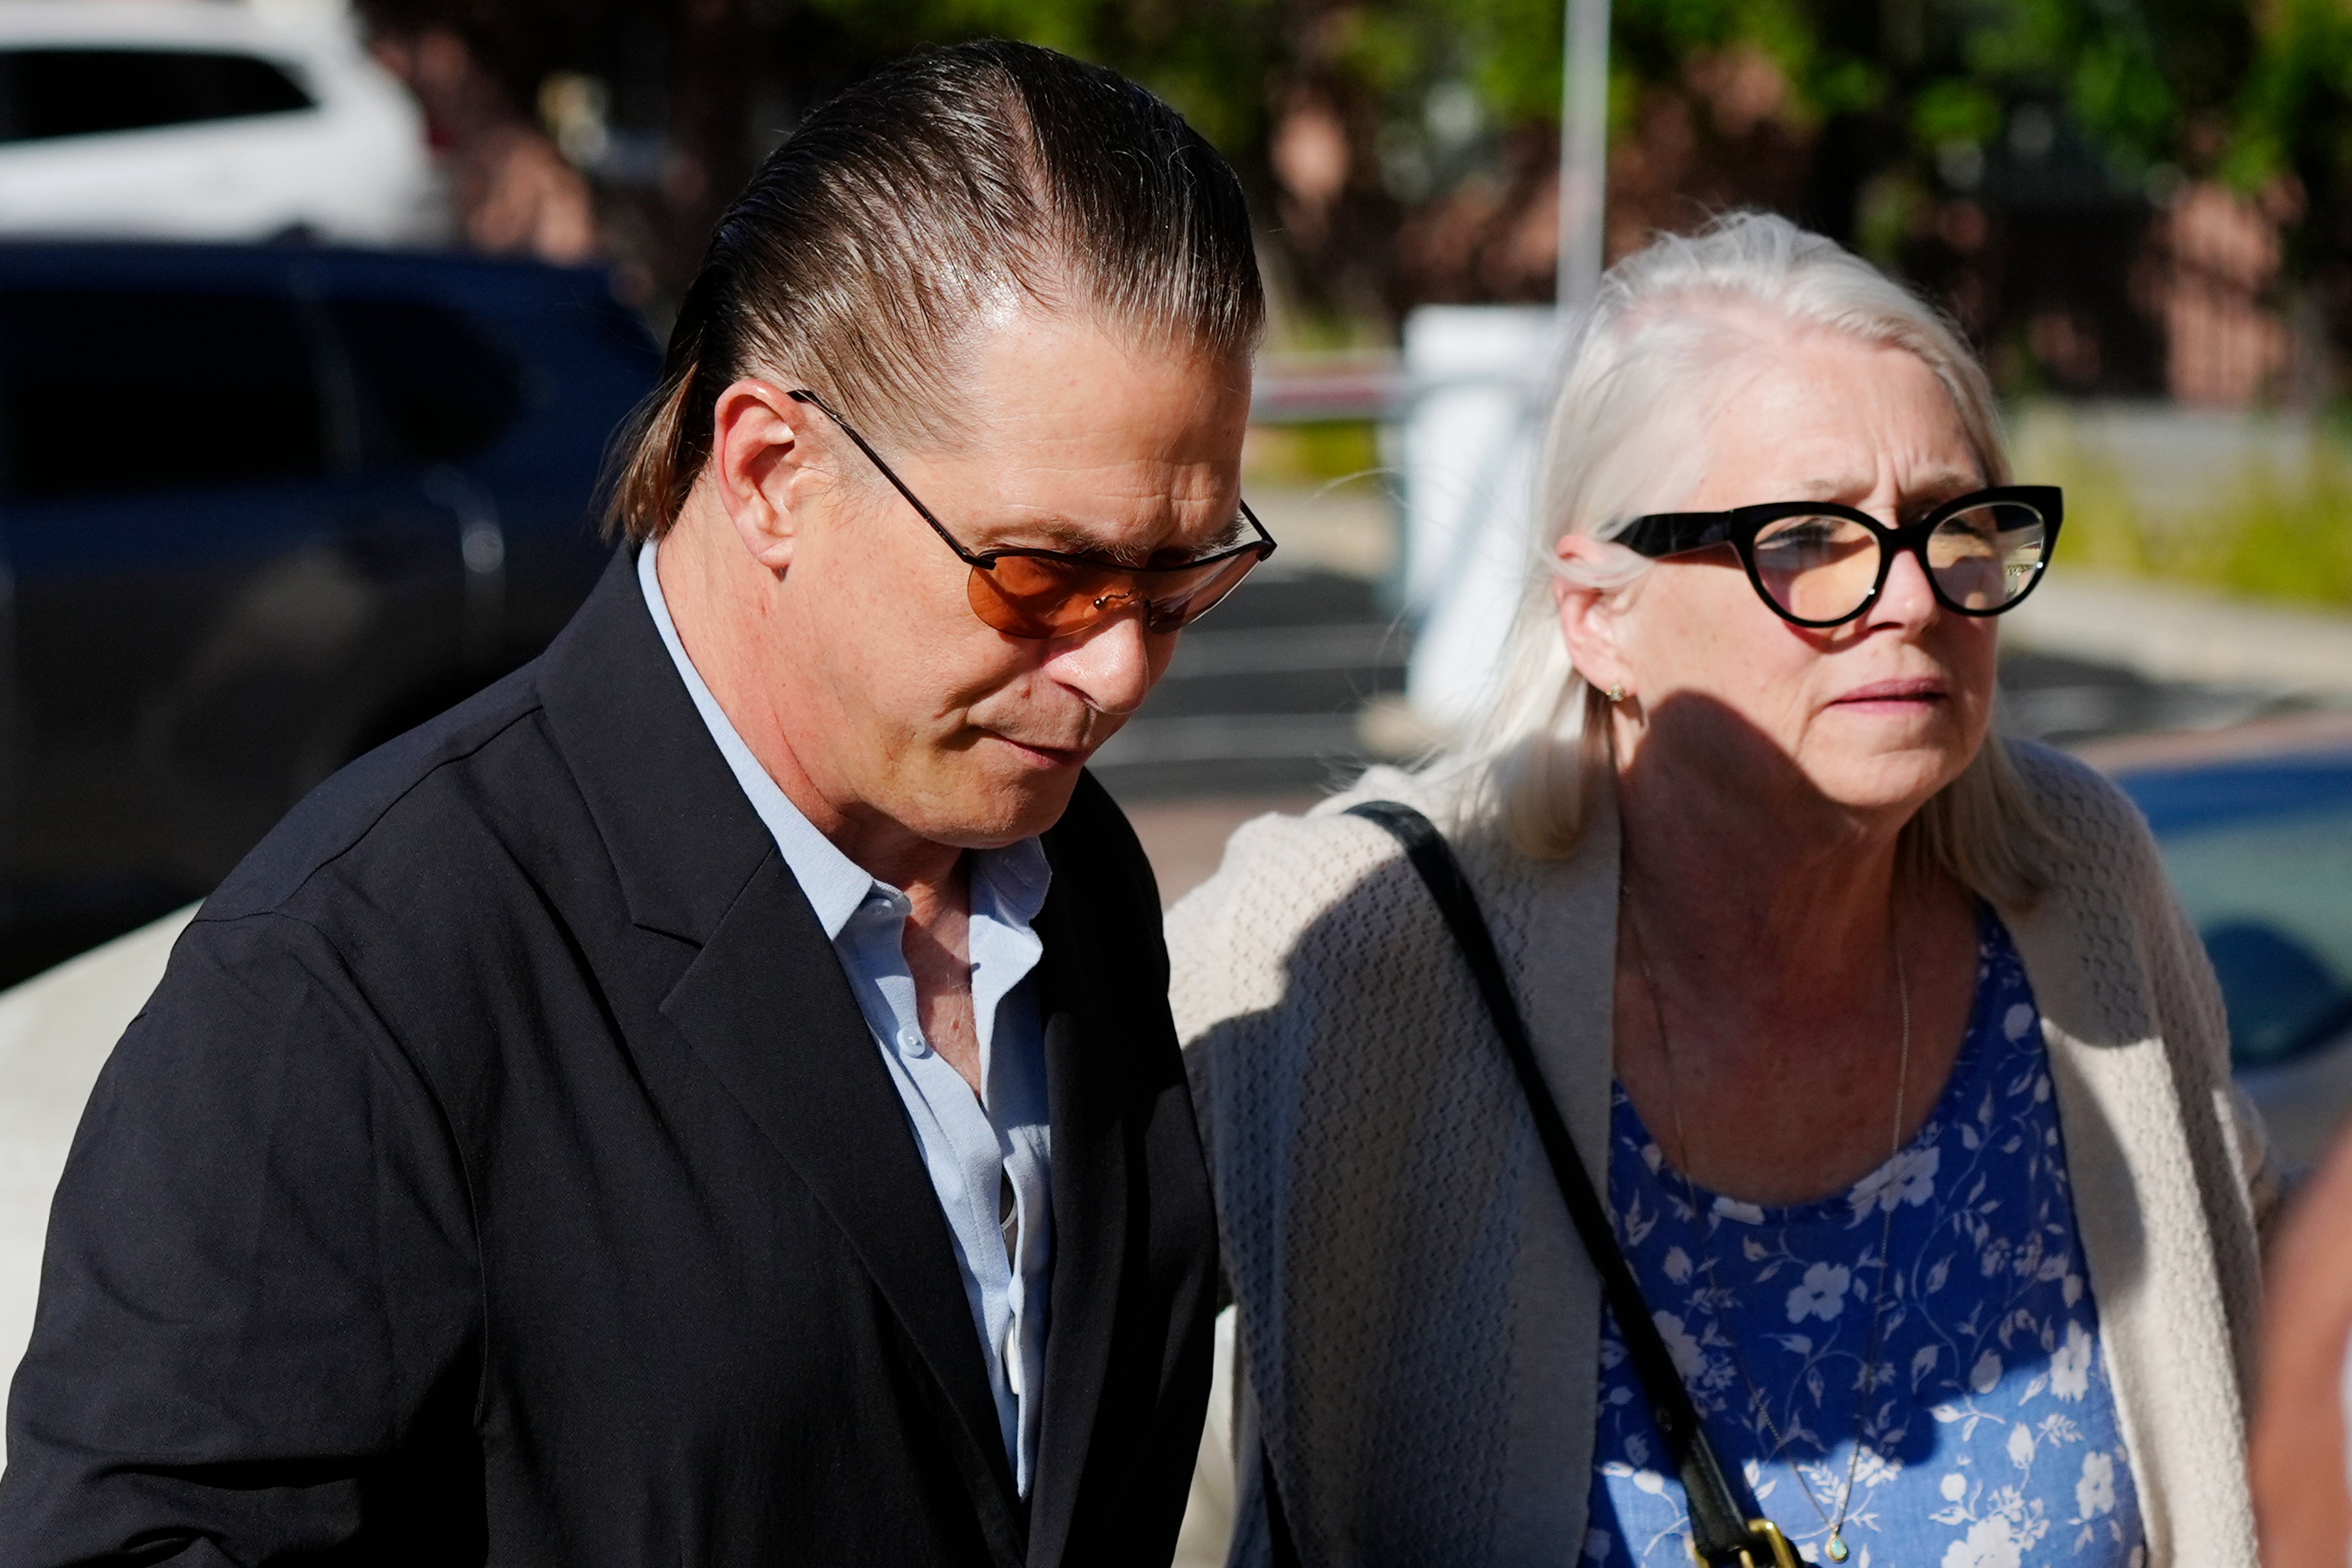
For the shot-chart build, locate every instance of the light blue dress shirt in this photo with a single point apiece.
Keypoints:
(972, 1147)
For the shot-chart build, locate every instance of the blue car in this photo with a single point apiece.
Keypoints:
(261, 509)
(2256, 829)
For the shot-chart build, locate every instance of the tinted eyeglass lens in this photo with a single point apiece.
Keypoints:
(1181, 601)
(1985, 557)
(1039, 596)
(1817, 568)
(1031, 596)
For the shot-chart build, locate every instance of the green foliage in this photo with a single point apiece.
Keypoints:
(1213, 59)
(1948, 111)
(1885, 218)
(2251, 90)
(2270, 534)
(2295, 544)
(1314, 454)
(2293, 113)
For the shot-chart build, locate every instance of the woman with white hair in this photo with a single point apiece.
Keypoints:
(1833, 1156)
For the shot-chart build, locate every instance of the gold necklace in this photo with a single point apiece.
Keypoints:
(1838, 1550)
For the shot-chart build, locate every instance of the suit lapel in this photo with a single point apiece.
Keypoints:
(1085, 1088)
(766, 1007)
(763, 1003)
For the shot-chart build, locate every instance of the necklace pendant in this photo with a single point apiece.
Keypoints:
(1838, 1553)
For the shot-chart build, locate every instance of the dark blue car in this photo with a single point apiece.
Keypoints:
(2256, 828)
(261, 509)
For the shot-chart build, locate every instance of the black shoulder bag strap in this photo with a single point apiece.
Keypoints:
(1724, 1534)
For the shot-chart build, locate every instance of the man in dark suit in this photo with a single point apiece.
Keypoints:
(710, 1098)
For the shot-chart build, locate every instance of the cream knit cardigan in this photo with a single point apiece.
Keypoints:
(1419, 1326)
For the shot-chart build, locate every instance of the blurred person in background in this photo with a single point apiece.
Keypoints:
(2302, 1462)
(512, 189)
(712, 1098)
(1884, 1057)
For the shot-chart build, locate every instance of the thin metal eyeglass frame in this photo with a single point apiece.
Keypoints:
(1665, 533)
(1263, 545)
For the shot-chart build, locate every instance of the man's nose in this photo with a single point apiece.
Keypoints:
(1111, 665)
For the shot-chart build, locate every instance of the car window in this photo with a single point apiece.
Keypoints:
(115, 392)
(437, 389)
(2261, 854)
(51, 92)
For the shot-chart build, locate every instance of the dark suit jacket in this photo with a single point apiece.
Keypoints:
(503, 1172)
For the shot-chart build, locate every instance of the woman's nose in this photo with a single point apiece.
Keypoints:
(1909, 598)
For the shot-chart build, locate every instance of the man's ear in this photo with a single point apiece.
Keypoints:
(761, 467)
(1588, 616)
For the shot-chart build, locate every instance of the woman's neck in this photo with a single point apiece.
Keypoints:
(1766, 1028)
(1774, 907)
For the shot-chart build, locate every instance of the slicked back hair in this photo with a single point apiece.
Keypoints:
(945, 191)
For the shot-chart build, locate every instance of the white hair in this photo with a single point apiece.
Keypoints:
(1644, 374)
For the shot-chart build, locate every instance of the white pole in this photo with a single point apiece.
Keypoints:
(1583, 151)
(1471, 434)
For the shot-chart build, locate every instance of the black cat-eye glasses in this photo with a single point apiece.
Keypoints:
(1821, 565)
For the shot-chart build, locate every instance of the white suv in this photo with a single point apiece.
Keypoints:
(196, 120)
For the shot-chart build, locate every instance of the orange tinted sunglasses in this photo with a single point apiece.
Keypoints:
(1042, 593)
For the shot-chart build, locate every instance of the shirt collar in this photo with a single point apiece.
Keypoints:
(1012, 880)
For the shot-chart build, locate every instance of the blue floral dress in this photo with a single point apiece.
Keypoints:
(1988, 1426)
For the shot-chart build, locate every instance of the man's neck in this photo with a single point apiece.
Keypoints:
(717, 617)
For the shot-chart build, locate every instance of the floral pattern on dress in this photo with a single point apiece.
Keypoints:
(1988, 1430)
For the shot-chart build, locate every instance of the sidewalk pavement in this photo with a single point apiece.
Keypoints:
(56, 1030)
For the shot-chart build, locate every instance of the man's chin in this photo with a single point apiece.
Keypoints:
(988, 814)
(1038, 802)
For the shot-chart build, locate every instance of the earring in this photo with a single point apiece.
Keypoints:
(1615, 694)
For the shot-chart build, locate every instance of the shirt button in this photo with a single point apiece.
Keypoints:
(911, 1040)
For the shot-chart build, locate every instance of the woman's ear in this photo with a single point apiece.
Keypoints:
(761, 467)
(1591, 617)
